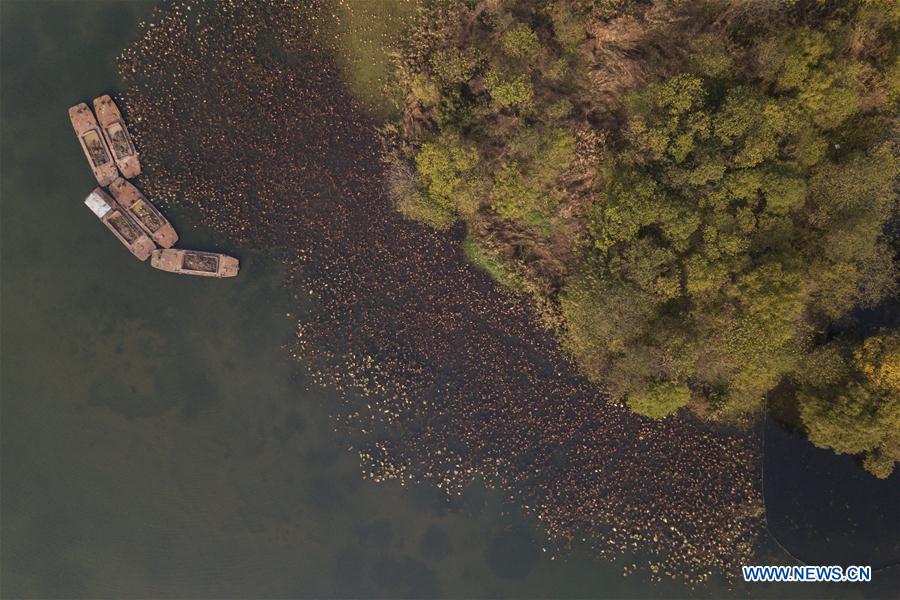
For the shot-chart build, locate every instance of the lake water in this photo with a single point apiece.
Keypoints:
(156, 440)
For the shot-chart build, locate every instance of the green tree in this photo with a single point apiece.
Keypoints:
(445, 169)
(659, 400)
(859, 413)
(520, 43)
(510, 92)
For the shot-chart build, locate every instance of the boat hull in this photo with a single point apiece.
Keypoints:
(118, 140)
(147, 216)
(192, 262)
(93, 144)
(120, 224)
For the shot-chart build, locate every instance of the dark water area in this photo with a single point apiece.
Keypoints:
(156, 439)
(826, 509)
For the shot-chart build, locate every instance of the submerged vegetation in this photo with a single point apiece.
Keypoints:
(363, 33)
(491, 264)
(703, 193)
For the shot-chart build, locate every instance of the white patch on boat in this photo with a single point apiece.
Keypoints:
(97, 204)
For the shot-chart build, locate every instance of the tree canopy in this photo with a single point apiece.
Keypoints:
(854, 408)
(703, 197)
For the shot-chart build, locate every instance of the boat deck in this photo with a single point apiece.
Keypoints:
(144, 213)
(117, 137)
(93, 144)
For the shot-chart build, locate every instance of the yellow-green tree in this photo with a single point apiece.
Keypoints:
(860, 413)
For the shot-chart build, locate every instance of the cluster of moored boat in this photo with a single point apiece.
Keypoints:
(133, 219)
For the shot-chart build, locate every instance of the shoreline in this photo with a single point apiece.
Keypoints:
(457, 363)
